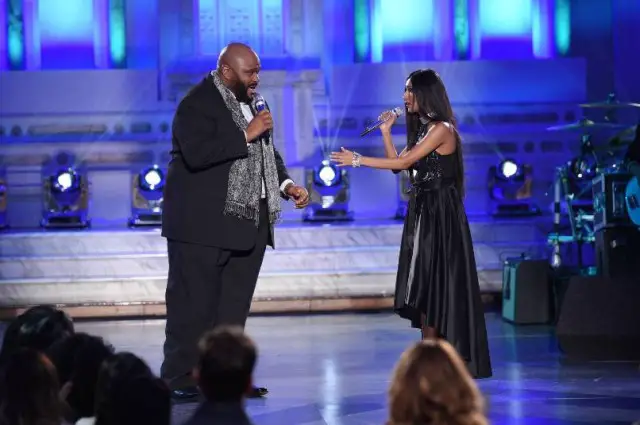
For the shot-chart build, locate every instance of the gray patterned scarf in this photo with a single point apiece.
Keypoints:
(245, 177)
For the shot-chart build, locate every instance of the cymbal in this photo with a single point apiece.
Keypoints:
(585, 124)
(610, 105)
(621, 138)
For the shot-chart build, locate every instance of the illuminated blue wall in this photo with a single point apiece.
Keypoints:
(68, 34)
(103, 34)
(64, 34)
(409, 30)
(99, 34)
(154, 34)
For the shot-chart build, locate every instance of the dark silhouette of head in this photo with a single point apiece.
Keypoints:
(431, 385)
(78, 360)
(225, 367)
(29, 390)
(427, 102)
(127, 392)
(37, 328)
(115, 373)
(239, 66)
(144, 399)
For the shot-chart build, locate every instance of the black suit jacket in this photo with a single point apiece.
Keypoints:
(219, 414)
(205, 143)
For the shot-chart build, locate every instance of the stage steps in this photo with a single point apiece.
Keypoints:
(123, 267)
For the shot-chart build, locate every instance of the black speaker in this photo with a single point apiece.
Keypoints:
(600, 319)
(609, 207)
(618, 251)
(526, 291)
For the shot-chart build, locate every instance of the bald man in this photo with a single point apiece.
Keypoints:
(221, 201)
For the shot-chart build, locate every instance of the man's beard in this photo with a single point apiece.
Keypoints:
(240, 90)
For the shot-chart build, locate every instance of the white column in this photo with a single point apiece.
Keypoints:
(294, 27)
(31, 35)
(304, 28)
(271, 35)
(101, 34)
(238, 21)
(206, 31)
(298, 100)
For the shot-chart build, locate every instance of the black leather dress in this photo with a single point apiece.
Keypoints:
(437, 281)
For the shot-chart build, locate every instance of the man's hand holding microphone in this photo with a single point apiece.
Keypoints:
(260, 124)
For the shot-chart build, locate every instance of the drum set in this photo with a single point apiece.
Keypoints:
(574, 180)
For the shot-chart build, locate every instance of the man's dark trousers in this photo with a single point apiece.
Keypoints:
(207, 287)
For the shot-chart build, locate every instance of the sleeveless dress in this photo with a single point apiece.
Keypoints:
(437, 281)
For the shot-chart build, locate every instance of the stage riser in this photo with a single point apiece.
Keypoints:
(278, 261)
(152, 289)
(311, 262)
(287, 237)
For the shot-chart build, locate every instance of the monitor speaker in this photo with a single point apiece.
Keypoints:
(618, 251)
(600, 319)
(526, 291)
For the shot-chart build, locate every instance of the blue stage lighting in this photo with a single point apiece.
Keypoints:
(152, 178)
(65, 181)
(65, 194)
(328, 188)
(328, 174)
(509, 169)
(510, 186)
(147, 197)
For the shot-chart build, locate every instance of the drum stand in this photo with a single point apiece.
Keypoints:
(581, 223)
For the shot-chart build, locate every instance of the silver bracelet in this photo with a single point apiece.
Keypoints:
(355, 162)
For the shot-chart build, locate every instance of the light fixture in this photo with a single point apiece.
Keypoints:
(510, 185)
(4, 223)
(147, 197)
(328, 188)
(404, 185)
(65, 194)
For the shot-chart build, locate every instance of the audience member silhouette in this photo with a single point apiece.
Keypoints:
(29, 390)
(227, 358)
(431, 385)
(78, 360)
(37, 328)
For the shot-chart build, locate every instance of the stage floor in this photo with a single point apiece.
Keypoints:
(335, 369)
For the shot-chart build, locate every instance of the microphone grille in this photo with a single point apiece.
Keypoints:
(398, 111)
(258, 102)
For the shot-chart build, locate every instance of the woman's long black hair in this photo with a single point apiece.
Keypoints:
(434, 105)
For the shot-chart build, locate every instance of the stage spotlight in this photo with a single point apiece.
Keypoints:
(328, 188)
(3, 199)
(147, 197)
(509, 185)
(65, 194)
(404, 185)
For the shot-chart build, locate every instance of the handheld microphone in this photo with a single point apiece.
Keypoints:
(259, 105)
(397, 111)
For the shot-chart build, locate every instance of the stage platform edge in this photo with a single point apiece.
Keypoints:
(316, 267)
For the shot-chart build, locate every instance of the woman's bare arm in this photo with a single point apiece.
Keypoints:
(434, 139)
(389, 148)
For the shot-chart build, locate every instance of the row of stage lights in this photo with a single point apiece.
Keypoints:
(66, 198)
(66, 193)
